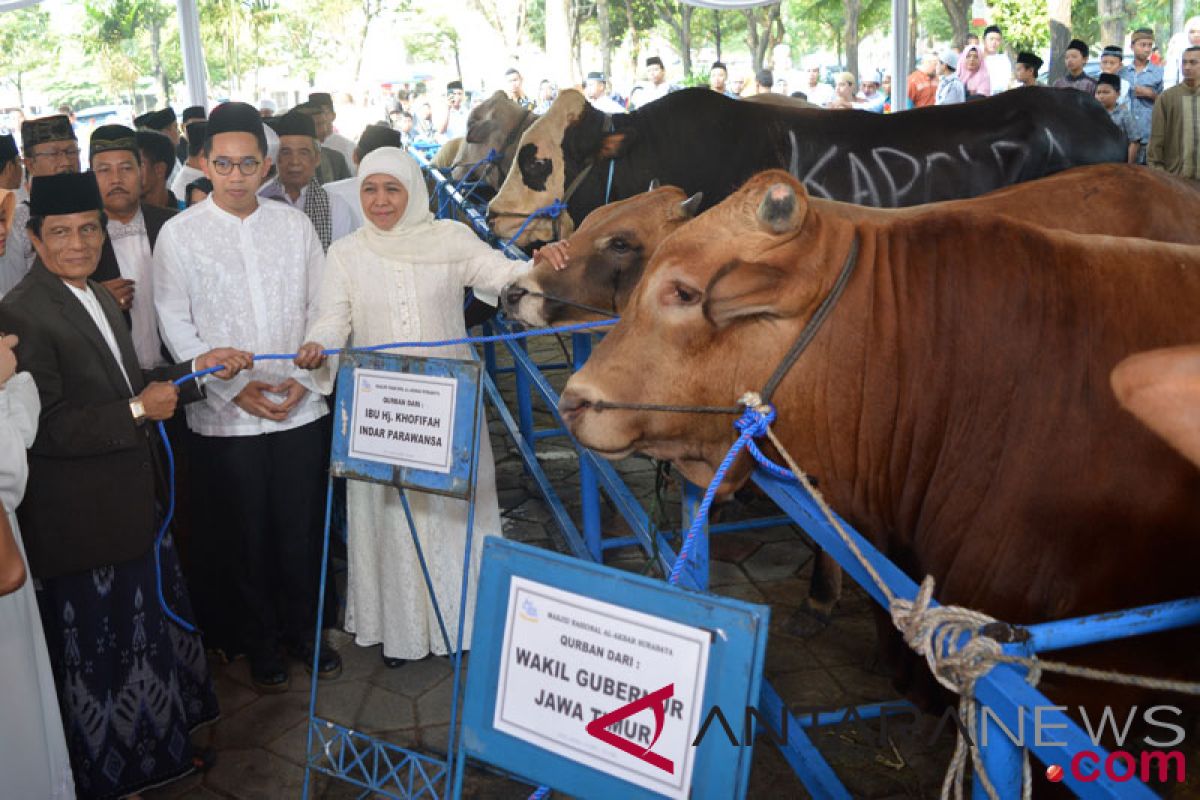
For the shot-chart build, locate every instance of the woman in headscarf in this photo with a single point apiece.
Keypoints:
(973, 73)
(33, 750)
(400, 277)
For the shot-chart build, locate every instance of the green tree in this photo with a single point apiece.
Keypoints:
(128, 39)
(26, 45)
(429, 38)
(1026, 24)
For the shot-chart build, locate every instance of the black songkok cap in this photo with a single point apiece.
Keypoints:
(992, 29)
(235, 118)
(197, 132)
(112, 137)
(596, 76)
(322, 99)
(376, 136)
(68, 193)
(46, 129)
(1113, 50)
(295, 123)
(1030, 60)
(1076, 44)
(1110, 79)
(8, 147)
(193, 112)
(652, 60)
(452, 85)
(718, 65)
(156, 120)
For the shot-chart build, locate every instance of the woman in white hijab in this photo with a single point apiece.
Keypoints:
(400, 278)
(33, 750)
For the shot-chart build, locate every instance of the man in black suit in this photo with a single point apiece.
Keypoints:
(126, 260)
(91, 512)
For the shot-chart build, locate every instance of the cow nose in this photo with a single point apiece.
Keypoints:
(511, 297)
(573, 403)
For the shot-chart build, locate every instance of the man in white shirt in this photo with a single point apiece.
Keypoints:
(995, 61)
(656, 85)
(329, 136)
(373, 137)
(819, 93)
(126, 266)
(454, 123)
(191, 169)
(234, 268)
(296, 182)
(595, 90)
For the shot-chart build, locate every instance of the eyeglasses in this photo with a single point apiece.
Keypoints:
(224, 166)
(66, 152)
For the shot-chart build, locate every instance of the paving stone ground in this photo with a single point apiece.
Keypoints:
(261, 740)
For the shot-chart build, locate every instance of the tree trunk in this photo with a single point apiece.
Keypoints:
(635, 41)
(959, 12)
(752, 40)
(19, 81)
(853, 9)
(156, 60)
(717, 31)
(1060, 36)
(685, 37)
(1112, 21)
(1177, 20)
(602, 17)
(558, 38)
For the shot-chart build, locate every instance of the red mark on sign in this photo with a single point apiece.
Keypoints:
(657, 701)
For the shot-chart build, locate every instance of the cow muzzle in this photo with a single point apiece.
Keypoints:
(521, 305)
(607, 433)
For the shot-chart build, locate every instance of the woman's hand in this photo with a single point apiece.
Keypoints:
(8, 359)
(556, 254)
(310, 356)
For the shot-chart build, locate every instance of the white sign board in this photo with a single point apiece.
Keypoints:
(403, 419)
(568, 659)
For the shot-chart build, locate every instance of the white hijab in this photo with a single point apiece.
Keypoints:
(417, 238)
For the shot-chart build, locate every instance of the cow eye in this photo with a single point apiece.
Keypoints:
(619, 245)
(683, 295)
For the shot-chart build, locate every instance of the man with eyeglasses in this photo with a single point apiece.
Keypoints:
(239, 269)
(50, 148)
(296, 182)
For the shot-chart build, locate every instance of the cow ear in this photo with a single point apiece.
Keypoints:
(781, 210)
(740, 290)
(617, 143)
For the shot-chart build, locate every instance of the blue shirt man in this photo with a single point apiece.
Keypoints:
(1145, 85)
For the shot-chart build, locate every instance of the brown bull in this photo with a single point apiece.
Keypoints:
(610, 249)
(955, 405)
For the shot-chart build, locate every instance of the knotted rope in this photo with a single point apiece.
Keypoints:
(552, 211)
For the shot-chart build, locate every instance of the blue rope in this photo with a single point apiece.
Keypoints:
(491, 158)
(551, 211)
(162, 431)
(608, 187)
(751, 425)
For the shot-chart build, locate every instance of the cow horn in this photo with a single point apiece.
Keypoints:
(690, 207)
(778, 208)
(654, 184)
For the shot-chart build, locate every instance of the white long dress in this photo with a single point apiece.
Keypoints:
(368, 300)
(33, 751)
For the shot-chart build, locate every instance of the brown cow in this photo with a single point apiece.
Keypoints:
(955, 405)
(615, 241)
(495, 124)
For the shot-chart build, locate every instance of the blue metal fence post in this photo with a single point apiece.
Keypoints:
(1001, 756)
(589, 485)
(697, 567)
(312, 688)
(524, 401)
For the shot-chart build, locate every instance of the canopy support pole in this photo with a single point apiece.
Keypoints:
(901, 58)
(193, 53)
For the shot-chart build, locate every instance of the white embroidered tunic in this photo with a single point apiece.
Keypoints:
(367, 299)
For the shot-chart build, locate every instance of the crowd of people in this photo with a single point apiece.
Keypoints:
(195, 241)
(114, 300)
